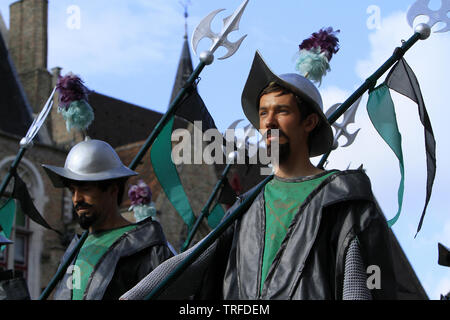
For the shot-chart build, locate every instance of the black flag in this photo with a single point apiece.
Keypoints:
(444, 256)
(403, 80)
(20, 192)
(193, 109)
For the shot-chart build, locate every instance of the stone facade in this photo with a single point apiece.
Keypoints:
(28, 48)
(45, 247)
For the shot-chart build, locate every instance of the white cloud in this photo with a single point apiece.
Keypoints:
(114, 38)
(332, 95)
(429, 60)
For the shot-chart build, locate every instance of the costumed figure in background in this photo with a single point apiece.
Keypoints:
(310, 233)
(116, 254)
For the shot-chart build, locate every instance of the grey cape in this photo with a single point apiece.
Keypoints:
(310, 262)
(130, 258)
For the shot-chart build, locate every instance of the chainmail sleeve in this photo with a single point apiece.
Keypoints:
(355, 277)
(185, 286)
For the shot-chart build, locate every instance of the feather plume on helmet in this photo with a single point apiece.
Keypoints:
(73, 102)
(315, 53)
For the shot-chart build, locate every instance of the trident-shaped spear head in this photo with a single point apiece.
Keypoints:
(230, 24)
(341, 128)
(421, 8)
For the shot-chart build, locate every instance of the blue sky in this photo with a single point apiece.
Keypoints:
(130, 50)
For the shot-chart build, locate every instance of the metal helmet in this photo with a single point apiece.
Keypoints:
(4, 240)
(261, 76)
(89, 160)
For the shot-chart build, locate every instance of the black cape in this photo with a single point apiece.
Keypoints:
(310, 262)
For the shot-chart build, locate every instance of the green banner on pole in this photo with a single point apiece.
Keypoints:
(167, 174)
(216, 216)
(382, 114)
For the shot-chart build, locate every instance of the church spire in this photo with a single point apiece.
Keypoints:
(185, 67)
(185, 21)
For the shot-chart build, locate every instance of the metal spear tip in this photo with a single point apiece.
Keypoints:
(25, 143)
(424, 30)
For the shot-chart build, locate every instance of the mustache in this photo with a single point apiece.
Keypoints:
(269, 133)
(82, 205)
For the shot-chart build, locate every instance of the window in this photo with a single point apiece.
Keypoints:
(22, 235)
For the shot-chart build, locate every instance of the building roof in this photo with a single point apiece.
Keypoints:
(15, 112)
(184, 70)
(3, 29)
(120, 123)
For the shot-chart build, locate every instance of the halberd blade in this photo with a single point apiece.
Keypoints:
(341, 128)
(230, 24)
(421, 8)
(203, 30)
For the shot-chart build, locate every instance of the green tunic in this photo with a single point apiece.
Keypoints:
(95, 246)
(283, 198)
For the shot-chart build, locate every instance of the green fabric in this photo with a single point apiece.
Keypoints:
(215, 216)
(382, 114)
(7, 211)
(282, 202)
(167, 174)
(95, 246)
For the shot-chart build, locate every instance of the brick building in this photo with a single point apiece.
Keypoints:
(25, 87)
(35, 249)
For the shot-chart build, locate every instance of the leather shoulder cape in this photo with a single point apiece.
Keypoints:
(310, 262)
(129, 259)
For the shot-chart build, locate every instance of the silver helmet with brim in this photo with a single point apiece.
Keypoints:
(89, 160)
(261, 76)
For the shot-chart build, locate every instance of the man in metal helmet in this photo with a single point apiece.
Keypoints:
(310, 233)
(116, 254)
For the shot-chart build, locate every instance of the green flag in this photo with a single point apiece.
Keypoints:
(7, 213)
(402, 79)
(167, 174)
(192, 109)
(215, 216)
(382, 114)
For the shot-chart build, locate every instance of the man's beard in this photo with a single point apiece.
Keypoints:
(83, 220)
(284, 150)
(86, 221)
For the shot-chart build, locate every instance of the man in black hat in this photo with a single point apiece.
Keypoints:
(116, 254)
(310, 233)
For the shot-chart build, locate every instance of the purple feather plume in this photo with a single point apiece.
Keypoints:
(325, 39)
(71, 88)
(140, 193)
